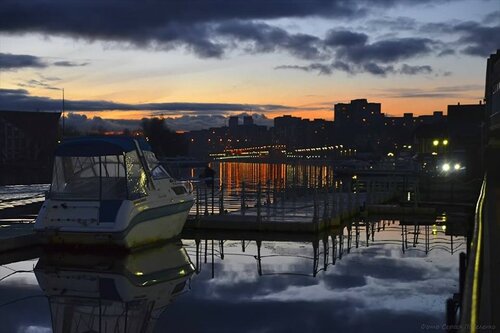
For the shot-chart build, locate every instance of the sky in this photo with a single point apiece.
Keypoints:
(195, 62)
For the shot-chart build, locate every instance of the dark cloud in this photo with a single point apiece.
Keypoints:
(20, 99)
(314, 67)
(10, 61)
(337, 38)
(66, 63)
(446, 52)
(37, 84)
(461, 91)
(207, 28)
(479, 40)
(386, 51)
(395, 24)
(376, 69)
(413, 70)
(493, 17)
(369, 67)
(265, 38)
(84, 124)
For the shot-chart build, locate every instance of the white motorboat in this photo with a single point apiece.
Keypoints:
(111, 190)
(108, 293)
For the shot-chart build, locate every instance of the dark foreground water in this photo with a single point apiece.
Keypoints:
(390, 282)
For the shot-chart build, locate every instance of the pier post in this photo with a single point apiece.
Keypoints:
(325, 204)
(205, 188)
(213, 194)
(341, 204)
(462, 268)
(268, 192)
(221, 199)
(275, 191)
(334, 202)
(334, 249)
(283, 195)
(198, 202)
(259, 194)
(315, 207)
(198, 255)
(243, 203)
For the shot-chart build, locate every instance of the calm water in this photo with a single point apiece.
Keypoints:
(379, 277)
(376, 280)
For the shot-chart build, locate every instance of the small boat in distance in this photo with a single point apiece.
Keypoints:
(111, 190)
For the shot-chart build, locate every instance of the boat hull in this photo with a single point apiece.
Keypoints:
(146, 228)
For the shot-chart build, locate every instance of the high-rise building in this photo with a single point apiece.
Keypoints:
(247, 120)
(233, 122)
(492, 94)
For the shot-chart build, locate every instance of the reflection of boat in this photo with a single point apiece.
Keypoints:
(108, 294)
(111, 190)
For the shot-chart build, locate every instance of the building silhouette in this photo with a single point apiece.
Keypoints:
(27, 144)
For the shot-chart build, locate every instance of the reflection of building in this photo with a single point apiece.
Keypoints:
(27, 142)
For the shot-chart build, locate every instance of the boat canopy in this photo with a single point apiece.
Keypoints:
(104, 168)
(100, 146)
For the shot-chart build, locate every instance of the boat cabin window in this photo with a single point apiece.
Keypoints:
(137, 181)
(156, 169)
(114, 177)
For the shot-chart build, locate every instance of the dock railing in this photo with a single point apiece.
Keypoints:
(469, 311)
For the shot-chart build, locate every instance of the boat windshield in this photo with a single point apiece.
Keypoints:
(115, 177)
(156, 169)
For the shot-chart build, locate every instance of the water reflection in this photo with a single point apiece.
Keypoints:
(366, 276)
(99, 293)
(325, 249)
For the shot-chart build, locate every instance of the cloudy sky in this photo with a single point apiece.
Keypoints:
(196, 61)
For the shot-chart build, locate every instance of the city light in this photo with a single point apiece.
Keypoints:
(446, 167)
(445, 142)
(435, 142)
(457, 166)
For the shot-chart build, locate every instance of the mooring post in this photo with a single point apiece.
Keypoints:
(268, 192)
(275, 191)
(243, 203)
(349, 203)
(206, 198)
(197, 202)
(221, 199)
(462, 267)
(259, 193)
(283, 195)
(334, 203)
(198, 255)
(213, 195)
(315, 207)
(341, 204)
(325, 204)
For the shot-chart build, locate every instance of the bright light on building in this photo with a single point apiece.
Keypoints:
(390, 154)
(435, 142)
(446, 167)
(445, 142)
(457, 166)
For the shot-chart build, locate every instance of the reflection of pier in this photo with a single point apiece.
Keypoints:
(322, 249)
